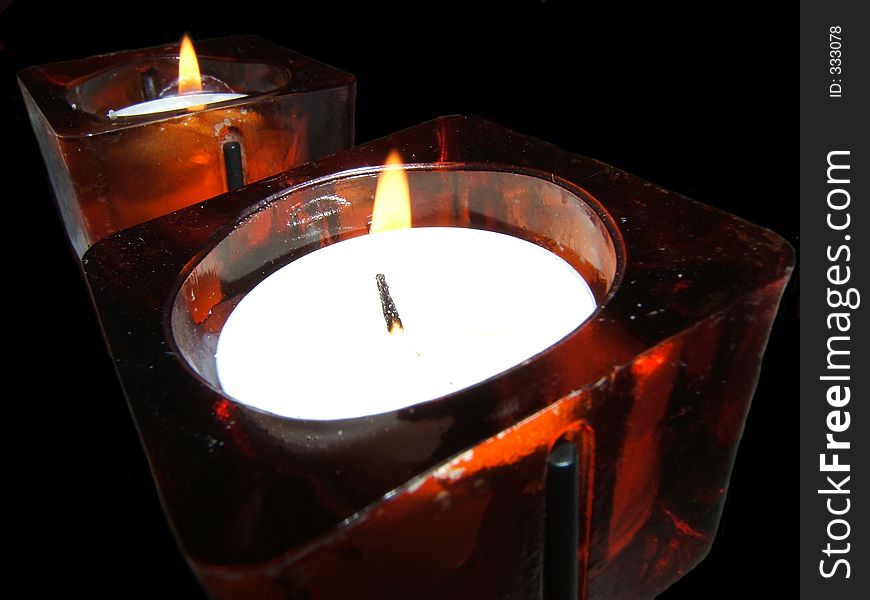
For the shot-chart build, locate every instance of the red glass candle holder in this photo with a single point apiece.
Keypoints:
(451, 498)
(109, 173)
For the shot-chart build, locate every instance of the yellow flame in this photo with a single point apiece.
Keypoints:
(189, 80)
(392, 197)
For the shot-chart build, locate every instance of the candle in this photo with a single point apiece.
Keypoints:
(190, 94)
(295, 110)
(652, 389)
(310, 341)
(395, 318)
(189, 101)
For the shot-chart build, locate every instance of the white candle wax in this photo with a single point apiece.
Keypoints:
(173, 103)
(310, 341)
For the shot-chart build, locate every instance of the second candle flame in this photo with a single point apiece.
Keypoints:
(189, 79)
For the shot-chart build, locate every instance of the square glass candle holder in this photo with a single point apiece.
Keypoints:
(109, 172)
(451, 498)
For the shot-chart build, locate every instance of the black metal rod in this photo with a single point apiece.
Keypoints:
(233, 163)
(391, 313)
(149, 84)
(562, 523)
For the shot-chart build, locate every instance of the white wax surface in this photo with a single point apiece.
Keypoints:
(310, 341)
(173, 103)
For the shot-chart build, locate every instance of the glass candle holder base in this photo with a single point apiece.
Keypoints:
(110, 172)
(450, 498)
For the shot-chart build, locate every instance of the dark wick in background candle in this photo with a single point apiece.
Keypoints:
(391, 314)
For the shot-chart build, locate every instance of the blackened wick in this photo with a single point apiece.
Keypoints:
(391, 313)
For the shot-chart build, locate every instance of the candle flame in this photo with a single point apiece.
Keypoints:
(189, 80)
(392, 198)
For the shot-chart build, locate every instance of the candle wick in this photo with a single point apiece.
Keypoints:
(391, 313)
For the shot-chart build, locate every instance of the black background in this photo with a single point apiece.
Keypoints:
(697, 100)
